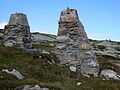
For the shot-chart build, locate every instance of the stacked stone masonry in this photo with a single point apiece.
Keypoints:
(17, 32)
(73, 46)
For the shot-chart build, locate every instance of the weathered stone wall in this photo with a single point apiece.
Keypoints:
(17, 32)
(73, 46)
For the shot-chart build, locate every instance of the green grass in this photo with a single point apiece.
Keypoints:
(40, 72)
(107, 62)
(117, 48)
(109, 57)
(101, 47)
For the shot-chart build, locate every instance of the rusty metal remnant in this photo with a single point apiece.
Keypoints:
(69, 15)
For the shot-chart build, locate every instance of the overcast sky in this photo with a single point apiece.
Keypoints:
(101, 18)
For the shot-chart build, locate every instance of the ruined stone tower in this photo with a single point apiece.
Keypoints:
(73, 48)
(17, 32)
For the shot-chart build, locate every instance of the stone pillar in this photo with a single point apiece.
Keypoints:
(17, 32)
(73, 48)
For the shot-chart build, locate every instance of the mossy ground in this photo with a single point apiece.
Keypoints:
(38, 71)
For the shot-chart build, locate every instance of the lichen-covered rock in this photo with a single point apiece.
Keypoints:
(110, 74)
(73, 69)
(38, 38)
(14, 72)
(36, 87)
(73, 46)
(17, 31)
(105, 47)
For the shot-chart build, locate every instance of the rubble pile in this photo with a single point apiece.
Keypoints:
(17, 32)
(73, 48)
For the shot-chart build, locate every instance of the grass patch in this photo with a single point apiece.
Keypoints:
(38, 71)
(107, 63)
(109, 57)
(117, 48)
(101, 47)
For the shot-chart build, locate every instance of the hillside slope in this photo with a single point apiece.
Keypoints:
(39, 70)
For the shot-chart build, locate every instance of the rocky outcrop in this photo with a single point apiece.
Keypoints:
(110, 74)
(105, 47)
(17, 32)
(73, 46)
(39, 37)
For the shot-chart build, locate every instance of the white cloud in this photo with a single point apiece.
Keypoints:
(100, 36)
(2, 25)
(41, 31)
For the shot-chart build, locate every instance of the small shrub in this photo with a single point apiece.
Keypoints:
(109, 57)
(117, 48)
(101, 47)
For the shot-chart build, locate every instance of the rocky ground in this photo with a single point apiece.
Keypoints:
(108, 49)
(42, 70)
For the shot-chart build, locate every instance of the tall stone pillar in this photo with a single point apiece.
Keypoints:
(73, 48)
(17, 31)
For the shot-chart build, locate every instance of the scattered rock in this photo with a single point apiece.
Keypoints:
(1, 77)
(117, 63)
(35, 50)
(26, 87)
(110, 74)
(109, 48)
(36, 87)
(14, 72)
(79, 83)
(73, 69)
(45, 89)
(38, 38)
(43, 51)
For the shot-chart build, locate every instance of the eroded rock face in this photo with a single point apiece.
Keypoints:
(17, 32)
(73, 46)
